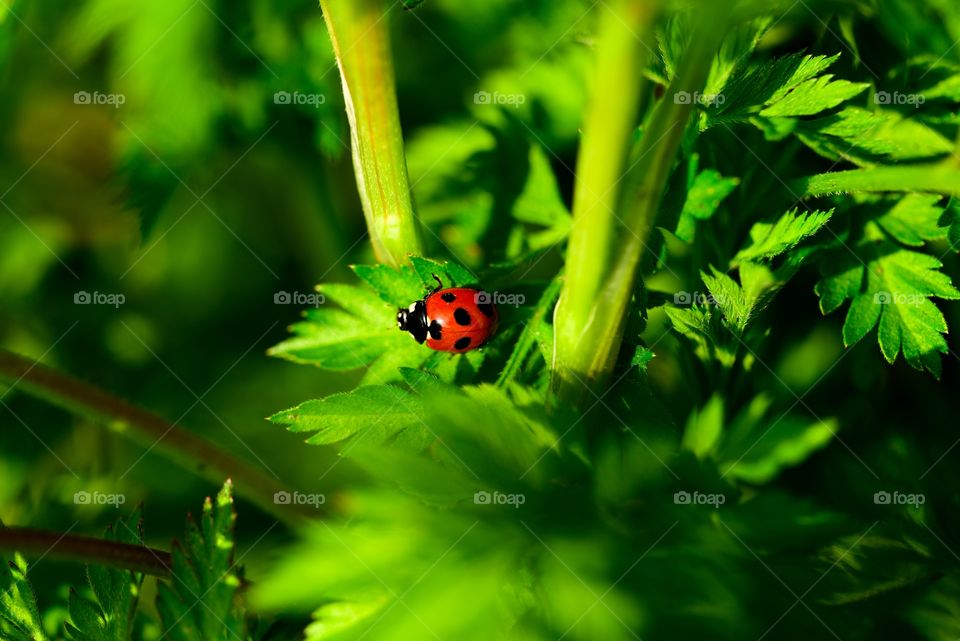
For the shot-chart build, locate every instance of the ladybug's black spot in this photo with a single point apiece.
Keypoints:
(435, 330)
(462, 316)
(448, 297)
(462, 343)
(486, 309)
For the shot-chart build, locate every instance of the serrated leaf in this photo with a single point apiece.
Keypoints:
(397, 287)
(813, 96)
(729, 297)
(890, 286)
(117, 593)
(375, 412)
(19, 614)
(866, 137)
(769, 240)
(361, 334)
(914, 219)
(198, 603)
(764, 84)
(700, 326)
(735, 50)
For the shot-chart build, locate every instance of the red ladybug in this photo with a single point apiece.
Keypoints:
(452, 319)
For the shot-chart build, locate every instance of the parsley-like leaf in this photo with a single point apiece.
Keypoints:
(769, 240)
(110, 618)
(813, 96)
(198, 604)
(375, 412)
(914, 219)
(19, 615)
(890, 286)
(363, 331)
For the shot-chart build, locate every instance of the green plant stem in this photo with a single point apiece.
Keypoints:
(941, 178)
(38, 543)
(192, 452)
(607, 130)
(592, 311)
(361, 44)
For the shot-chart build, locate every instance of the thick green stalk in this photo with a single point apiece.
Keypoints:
(189, 450)
(590, 317)
(358, 29)
(605, 142)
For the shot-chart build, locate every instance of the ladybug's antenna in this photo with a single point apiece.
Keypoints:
(439, 282)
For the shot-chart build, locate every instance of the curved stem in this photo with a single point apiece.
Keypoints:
(361, 43)
(189, 450)
(34, 543)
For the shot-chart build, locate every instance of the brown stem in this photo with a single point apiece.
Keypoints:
(189, 450)
(41, 544)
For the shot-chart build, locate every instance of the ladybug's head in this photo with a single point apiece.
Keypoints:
(402, 316)
(414, 320)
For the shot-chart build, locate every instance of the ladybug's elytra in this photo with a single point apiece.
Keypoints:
(452, 319)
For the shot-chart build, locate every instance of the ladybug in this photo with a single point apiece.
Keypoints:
(451, 319)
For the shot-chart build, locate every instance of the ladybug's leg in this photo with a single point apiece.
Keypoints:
(439, 283)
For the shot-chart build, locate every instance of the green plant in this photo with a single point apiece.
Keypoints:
(196, 598)
(673, 433)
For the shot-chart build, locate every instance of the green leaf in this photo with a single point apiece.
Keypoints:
(868, 137)
(376, 412)
(19, 616)
(700, 325)
(769, 240)
(951, 220)
(813, 96)
(110, 617)
(735, 50)
(914, 219)
(704, 196)
(763, 85)
(756, 453)
(940, 178)
(729, 297)
(198, 604)
(451, 273)
(334, 618)
(890, 286)
(363, 333)
(397, 287)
